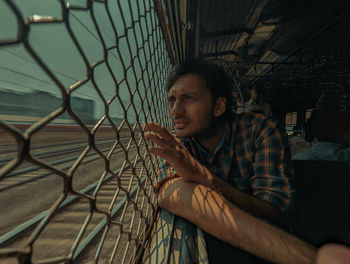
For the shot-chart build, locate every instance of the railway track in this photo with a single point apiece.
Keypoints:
(28, 172)
(107, 213)
(55, 149)
(6, 149)
(80, 221)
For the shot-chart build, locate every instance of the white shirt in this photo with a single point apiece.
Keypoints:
(252, 106)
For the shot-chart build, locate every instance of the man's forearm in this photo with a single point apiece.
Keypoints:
(214, 214)
(248, 203)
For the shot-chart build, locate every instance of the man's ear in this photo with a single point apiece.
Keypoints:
(220, 107)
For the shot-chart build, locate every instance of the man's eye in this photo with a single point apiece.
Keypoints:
(189, 97)
(171, 99)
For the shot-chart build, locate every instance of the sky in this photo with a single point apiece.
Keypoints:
(20, 72)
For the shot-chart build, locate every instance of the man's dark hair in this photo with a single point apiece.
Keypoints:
(215, 78)
(257, 87)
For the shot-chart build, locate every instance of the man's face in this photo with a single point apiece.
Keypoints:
(253, 94)
(191, 107)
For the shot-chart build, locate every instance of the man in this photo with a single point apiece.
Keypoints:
(224, 166)
(256, 104)
(239, 103)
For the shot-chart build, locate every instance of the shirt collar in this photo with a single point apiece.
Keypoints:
(225, 142)
(251, 101)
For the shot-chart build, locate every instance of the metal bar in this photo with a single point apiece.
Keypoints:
(178, 29)
(198, 28)
(221, 53)
(274, 62)
(185, 26)
(165, 29)
(173, 31)
(229, 32)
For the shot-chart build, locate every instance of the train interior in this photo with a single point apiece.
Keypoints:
(295, 55)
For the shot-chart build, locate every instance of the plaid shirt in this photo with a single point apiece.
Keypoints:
(251, 156)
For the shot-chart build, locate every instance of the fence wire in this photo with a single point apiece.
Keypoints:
(76, 184)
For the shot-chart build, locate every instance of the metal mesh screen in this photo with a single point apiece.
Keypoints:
(77, 81)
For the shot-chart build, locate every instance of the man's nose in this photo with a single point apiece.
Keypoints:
(177, 108)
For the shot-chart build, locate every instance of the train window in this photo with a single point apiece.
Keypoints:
(290, 122)
(78, 81)
(308, 113)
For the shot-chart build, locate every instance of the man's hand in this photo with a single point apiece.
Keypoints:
(176, 154)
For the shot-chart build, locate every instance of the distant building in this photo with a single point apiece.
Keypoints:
(36, 105)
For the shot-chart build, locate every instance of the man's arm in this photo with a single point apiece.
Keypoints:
(249, 203)
(211, 212)
(270, 180)
(189, 169)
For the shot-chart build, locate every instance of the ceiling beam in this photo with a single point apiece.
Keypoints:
(221, 53)
(165, 30)
(222, 33)
(198, 29)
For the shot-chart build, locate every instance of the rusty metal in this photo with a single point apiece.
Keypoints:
(140, 45)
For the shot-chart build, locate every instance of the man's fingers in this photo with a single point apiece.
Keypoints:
(158, 140)
(162, 131)
(153, 137)
(159, 152)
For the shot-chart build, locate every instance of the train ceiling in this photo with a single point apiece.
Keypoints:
(294, 50)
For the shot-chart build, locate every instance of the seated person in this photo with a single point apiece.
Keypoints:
(256, 104)
(222, 169)
(239, 103)
(330, 134)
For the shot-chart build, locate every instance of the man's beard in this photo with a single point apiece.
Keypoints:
(210, 131)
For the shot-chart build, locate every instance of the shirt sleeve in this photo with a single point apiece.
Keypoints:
(271, 178)
(164, 171)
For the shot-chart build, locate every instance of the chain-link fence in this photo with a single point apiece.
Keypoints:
(77, 81)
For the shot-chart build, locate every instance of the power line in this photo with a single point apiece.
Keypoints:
(85, 27)
(37, 79)
(65, 75)
(26, 75)
(13, 83)
(88, 30)
(102, 28)
(36, 63)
